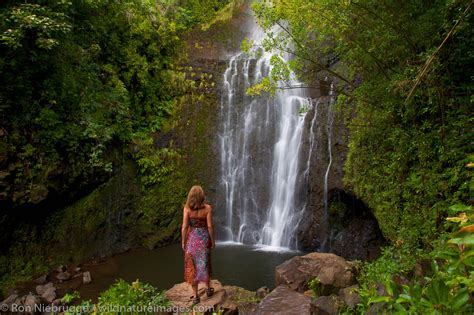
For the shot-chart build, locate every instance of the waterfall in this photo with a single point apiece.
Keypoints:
(312, 138)
(260, 143)
(329, 123)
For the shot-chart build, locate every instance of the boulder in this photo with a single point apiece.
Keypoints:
(349, 296)
(333, 272)
(49, 295)
(9, 301)
(328, 305)
(61, 268)
(20, 300)
(180, 295)
(31, 302)
(41, 289)
(63, 276)
(284, 300)
(86, 277)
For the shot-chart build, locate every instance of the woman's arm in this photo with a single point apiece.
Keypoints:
(210, 227)
(184, 228)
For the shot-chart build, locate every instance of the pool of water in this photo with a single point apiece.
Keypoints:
(250, 267)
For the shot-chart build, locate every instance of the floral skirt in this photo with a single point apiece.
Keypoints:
(197, 256)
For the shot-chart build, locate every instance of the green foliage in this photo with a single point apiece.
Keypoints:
(264, 86)
(154, 163)
(25, 18)
(315, 286)
(82, 77)
(446, 290)
(246, 45)
(69, 297)
(23, 259)
(136, 294)
(392, 261)
(121, 298)
(222, 11)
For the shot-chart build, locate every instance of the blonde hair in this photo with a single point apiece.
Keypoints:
(196, 199)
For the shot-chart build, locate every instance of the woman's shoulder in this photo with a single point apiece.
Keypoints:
(208, 209)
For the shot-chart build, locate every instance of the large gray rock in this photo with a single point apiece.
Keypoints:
(47, 292)
(332, 271)
(20, 300)
(179, 295)
(40, 289)
(9, 301)
(284, 300)
(31, 303)
(49, 295)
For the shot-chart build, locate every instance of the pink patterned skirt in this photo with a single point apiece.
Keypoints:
(197, 254)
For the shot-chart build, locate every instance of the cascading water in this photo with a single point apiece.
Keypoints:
(260, 146)
(312, 138)
(329, 124)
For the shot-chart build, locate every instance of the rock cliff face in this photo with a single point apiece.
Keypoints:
(335, 221)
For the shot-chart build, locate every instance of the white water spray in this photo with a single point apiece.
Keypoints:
(260, 146)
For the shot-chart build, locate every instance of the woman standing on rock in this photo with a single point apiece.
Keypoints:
(197, 235)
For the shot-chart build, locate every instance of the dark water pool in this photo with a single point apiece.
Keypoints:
(233, 264)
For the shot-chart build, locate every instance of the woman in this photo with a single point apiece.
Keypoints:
(197, 236)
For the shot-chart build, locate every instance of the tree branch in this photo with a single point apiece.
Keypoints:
(428, 63)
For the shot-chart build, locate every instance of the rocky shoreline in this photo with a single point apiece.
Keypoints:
(49, 290)
(296, 290)
(316, 283)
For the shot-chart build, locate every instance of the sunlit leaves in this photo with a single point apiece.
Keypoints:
(48, 25)
(247, 45)
(264, 86)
